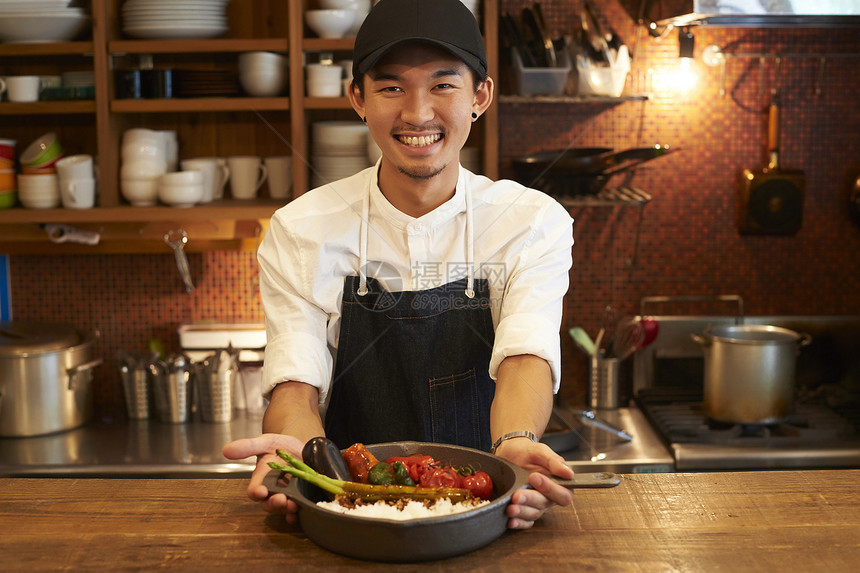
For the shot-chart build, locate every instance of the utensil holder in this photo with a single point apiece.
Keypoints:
(172, 394)
(216, 394)
(138, 393)
(603, 388)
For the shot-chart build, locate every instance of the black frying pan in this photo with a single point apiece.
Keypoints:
(580, 170)
(770, 201)
(419, 539)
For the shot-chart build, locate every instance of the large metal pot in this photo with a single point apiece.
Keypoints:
(749, 372)
(45, 378)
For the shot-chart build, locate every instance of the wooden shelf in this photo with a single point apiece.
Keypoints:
(199, 104)
(198, 46)
(577, 99)
(328, 45)
(227, 209)
(48, 107)
(327, 103)
(49, 49)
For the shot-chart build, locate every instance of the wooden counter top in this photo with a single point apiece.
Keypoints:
(756, 521)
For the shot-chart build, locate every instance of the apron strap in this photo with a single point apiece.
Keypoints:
(362, 247)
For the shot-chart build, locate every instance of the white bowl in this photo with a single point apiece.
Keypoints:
(182, 178)
(139, 192)
(263, 84)
(181, 195)
(251, 59)
(144, 170)
(35, 28)
(330, 23)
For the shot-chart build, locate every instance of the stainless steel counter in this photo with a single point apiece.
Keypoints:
(131, 448)
(148, 448)
(601, 451)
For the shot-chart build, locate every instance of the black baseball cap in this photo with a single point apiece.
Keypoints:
(445, 23)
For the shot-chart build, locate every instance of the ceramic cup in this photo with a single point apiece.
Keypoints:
(21, 88)
(224, 175)
(280, 176)
(75, 167)
(38, 191)
(215, 175)
(78, 193)
(324, 80)
(247, 175)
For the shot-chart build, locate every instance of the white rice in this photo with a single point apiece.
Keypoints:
(411, 509)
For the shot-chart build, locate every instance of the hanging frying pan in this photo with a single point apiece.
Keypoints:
(854, 201)
(770, 201)
(580, 170)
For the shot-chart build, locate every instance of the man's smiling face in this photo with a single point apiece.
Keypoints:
(418, 101)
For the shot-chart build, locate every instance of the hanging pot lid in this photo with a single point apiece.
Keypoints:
(26, 337)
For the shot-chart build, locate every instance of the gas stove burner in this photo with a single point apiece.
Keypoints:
(686, 422)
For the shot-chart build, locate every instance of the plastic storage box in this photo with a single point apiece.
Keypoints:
(541, 81)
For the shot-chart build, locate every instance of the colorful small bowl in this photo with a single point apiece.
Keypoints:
(7, 149)
(8, 199)
(44, 150)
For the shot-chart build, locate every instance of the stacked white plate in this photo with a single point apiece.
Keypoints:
(37, 21)
(338, 150)
(174, 19)
(79, 79)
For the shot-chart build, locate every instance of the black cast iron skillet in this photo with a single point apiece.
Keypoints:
(419, 539)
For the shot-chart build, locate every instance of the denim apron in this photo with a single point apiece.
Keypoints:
(413, 365)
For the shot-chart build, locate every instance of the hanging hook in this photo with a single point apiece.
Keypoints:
(819, 79)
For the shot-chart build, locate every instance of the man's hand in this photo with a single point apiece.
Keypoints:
(264, 447)
(528, 505)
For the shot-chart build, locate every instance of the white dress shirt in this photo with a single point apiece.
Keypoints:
(522, 246)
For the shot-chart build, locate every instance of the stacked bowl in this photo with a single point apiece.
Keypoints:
(339, 149)
(144, 161)
(39, 157)
(41, 21)
(360, 8)
(262, 74)
(8, 185)
(331, 23)
(181, 188)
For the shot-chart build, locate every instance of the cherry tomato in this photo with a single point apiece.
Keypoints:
(480, 484)
(440, 477)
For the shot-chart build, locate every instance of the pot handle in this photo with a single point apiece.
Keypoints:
(700, 339)
(805, 340)
(73, 372)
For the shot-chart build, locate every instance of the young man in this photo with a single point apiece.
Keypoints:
(416, 300)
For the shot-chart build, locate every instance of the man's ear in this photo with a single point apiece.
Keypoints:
(356, 99)
(484, 96)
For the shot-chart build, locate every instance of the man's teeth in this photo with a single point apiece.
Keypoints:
(421, 140)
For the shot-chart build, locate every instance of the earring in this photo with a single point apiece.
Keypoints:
(474, 115)
(364, 119)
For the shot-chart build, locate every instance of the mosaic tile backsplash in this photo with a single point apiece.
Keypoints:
(683, 242)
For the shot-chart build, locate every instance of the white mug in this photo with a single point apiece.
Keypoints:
(221, 182)
(75, 167)
(247, 175)
(215, 175)
(21, 88)
(280, 176)
(78, 193)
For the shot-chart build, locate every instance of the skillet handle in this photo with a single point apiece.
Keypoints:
(589, 480)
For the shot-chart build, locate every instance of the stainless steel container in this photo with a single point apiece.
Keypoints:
(749, 372)
(45, 378)
(172, 383)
